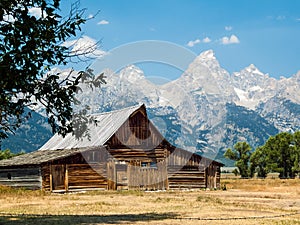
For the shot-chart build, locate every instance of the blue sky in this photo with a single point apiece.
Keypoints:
(265, 33)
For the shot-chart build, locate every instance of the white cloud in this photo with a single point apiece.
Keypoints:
(103, 22)
(206, 40)
(8, 18)
(193, 43)
(230, 40)
(34, 11)
(228, 28)
(91, 16)
(37, 12)
(84, 46)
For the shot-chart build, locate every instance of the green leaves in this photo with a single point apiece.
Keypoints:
(6, 154)
(241, 154)
(281, 153)
(29, 47)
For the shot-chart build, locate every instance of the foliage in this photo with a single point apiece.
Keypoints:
(296, 153)
(258, 163)
(30, 45)
(241, 155)
(281, 153)
(7, 154)
(278, 151)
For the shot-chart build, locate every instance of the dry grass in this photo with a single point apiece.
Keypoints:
(271, 201)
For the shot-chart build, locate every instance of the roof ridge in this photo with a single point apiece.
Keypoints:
(118, 110)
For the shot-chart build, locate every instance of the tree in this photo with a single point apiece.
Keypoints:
(7, 154)
(279, 152)
(258, 163)
(241, 154)
(296, 153)
(30, 45)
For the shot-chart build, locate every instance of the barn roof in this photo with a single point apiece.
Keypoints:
(107, 124)
(42, 156)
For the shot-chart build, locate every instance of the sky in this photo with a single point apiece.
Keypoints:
(265, 33)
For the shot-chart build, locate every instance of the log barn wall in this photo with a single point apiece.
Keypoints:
(26, 177)
(84, 170)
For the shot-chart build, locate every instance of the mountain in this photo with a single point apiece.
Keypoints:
(206, 109)
(30, 136)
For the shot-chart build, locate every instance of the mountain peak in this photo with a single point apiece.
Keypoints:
(253, 69)
(132, 73)
(207, 59)
(209, 54)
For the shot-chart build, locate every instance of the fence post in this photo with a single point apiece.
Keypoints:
(66, 179)
(50, 178)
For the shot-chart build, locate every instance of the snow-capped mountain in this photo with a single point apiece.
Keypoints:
(207, 109)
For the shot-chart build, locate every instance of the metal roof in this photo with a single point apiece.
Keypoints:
(107, 124)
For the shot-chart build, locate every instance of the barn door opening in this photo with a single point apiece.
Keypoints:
(211, 178)
(58, 177)
(117, 176)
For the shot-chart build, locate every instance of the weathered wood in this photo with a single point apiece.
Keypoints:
(66, 179)
(147, 178)
(111, 176)
(28, 177)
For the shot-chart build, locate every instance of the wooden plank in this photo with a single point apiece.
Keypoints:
(27, 177)
(66, 179)
(51, 183)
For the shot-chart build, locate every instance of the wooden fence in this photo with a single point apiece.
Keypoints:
(148, 178)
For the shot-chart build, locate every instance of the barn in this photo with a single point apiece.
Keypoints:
(123, 151)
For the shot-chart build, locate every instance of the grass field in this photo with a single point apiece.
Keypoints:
(269, 201)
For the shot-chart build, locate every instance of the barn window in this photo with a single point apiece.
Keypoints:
(93, 156)
(153, 165)
(144, 164)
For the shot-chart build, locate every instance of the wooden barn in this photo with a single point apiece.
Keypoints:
(124, 151)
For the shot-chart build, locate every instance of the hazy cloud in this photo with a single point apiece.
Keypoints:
(230, 40)
(193, 43)
(228, 28)
(103, 22)
(206, 40)
(280, 17)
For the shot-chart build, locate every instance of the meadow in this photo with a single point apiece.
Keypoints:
(245, 201)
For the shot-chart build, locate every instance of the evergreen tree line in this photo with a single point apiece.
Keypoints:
(280, 153)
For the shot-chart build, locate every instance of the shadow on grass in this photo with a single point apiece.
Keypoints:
(83, 219)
